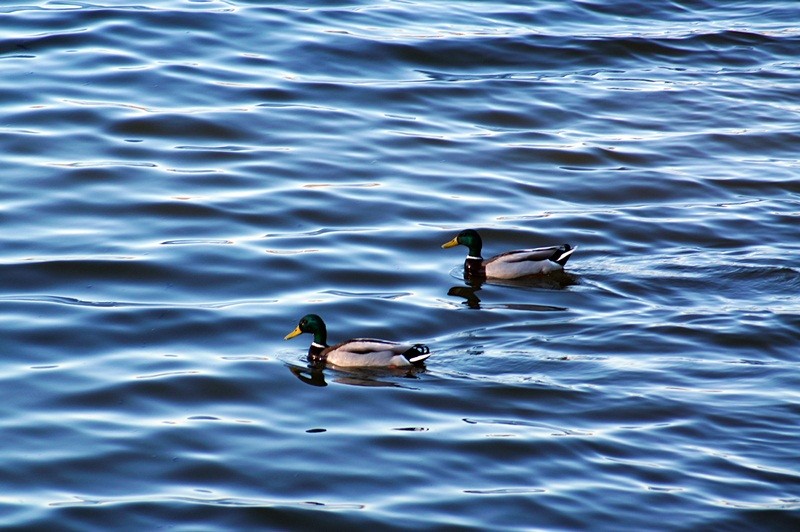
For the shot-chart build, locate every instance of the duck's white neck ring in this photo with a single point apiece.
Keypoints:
(474, 258)
(315, 344)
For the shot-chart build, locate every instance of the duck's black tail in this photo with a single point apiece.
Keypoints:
(562, 257)
(417, 354)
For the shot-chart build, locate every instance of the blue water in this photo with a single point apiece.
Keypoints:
(183, 180)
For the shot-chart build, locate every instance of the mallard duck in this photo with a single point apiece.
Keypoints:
(511, 264)
(358, 352)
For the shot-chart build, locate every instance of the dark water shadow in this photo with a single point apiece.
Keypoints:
(474, 302)
(309, 375)
(557, 280)
(314, 375)
(469, 293)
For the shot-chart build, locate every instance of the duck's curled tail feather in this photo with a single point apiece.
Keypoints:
(417, 354)
(563, 256)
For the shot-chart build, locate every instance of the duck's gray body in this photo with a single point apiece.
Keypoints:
(369, 352)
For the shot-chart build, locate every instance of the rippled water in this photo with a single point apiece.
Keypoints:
(184, 180)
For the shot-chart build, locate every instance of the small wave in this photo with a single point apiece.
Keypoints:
(506, 491)
(379, 295)
(168, 374)
(189, 241)
(210, 501)
(72, 301)
(66, 301)
(101, 164)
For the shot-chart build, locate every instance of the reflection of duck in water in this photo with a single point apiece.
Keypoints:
(468, 293)
(511, 264)
(474, 302)
(358, 352)
(314, 375)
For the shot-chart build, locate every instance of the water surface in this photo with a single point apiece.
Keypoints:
(184, 180)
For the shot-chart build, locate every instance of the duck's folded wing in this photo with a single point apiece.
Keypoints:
(531, 255)
(369, 345)
(374, 352)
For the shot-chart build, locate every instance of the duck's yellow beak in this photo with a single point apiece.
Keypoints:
(450, 244)
(294, 333)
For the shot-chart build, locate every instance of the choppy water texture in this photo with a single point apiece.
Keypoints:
(182, 181)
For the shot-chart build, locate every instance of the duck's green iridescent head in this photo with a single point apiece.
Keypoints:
(310, 323)
(469, 238)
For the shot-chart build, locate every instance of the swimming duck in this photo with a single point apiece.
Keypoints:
(511, 264)
(358, 352)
